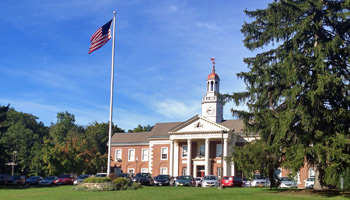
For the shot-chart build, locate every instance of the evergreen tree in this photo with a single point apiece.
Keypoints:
(298, 89)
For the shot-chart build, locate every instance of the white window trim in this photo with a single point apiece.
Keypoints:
(161, 153)
(162, 168)
(144, 170)
(121, 154)
(182, 152)
(199, 150)
(142, 155)
(216, 153)
(133, 170)
(129, 154)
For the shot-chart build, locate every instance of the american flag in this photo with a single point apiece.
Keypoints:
(100, 37)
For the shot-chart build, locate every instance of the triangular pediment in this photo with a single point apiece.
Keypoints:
(198, 124)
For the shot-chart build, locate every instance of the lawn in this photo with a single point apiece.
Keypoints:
(66, 192)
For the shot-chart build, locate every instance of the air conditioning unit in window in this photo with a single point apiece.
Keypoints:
(119, 160)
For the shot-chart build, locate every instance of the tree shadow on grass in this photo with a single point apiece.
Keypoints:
(323, 193)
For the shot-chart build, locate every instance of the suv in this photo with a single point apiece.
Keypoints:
(3, 179)
(16, 180)
(143, 178)
(231, 181)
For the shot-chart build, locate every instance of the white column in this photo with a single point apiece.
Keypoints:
(189, 156)
(224, 170)
(207, 166)
(176, 159)
(233, 169)
(171, 158)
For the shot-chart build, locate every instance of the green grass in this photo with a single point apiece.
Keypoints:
(66, 192)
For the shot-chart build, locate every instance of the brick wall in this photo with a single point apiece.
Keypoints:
(125, 163)
(158, 162)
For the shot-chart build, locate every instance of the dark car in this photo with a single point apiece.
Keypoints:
(3, 179)
(185, 181)
(16, 180)
(143, 178)
(162, 180)
(33, 180)
(231, 181)
(64, 179)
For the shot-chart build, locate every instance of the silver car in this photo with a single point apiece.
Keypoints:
(48, 180)
(210, 181)
(260, 182)
(81, 178)
(286, 182)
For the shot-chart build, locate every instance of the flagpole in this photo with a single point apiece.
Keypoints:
(111, 103)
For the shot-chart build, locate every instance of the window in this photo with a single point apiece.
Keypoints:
(311, 173)
(118, 154)
(184, 151)
(202, 150)
(218, 150)
(164, 153)
(219, 171)
(131, 156)
(144, 155)
(184, 171)
(131, 171)
(144, 170)
(163, 170)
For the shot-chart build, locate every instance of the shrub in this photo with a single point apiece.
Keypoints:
(97, 180)
(346, 178)
(121, 183)
(135, 186)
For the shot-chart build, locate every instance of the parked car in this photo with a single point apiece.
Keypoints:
(246, 183)
(33, 180)
(143, 178)
(81, 178)
(48, 180)
(286, 182)
(124, 175)
(64, 179)
(231, 181)
(162, 180)
(210, 181)
(16, 180)
(261, 182)
(3, 179)
(198, 181)
(101, 175)
(309, 183)
(185, 181)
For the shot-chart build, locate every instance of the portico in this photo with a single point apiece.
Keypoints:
(197, 142)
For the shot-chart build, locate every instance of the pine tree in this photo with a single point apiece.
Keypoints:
(298, 89)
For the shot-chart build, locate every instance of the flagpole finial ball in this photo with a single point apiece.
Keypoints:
(114, 12)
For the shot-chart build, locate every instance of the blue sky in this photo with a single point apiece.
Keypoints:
(162, 57)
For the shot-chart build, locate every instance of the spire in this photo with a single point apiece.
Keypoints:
(213, 75)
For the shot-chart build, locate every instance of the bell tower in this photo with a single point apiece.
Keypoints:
(212, 108)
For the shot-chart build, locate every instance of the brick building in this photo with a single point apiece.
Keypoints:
(193, 147)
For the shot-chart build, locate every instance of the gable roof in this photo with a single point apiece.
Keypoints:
(161, 130)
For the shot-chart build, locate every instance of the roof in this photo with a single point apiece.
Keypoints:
(235, 124)
(161, 130)
(213, 75)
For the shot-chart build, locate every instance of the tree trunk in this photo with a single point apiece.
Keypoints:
(318, 185)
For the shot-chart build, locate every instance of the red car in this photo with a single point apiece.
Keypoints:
(231, 181)
(64, 179)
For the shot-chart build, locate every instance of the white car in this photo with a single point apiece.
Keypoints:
(286, 182)
(210, 181)
(309, 183)
(260, 182)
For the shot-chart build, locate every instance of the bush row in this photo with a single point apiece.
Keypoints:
(107, 185)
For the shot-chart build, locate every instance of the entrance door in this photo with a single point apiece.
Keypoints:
(200, 171)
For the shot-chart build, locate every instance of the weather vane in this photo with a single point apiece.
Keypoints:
(213, 61)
